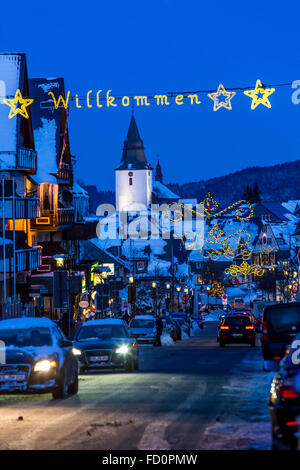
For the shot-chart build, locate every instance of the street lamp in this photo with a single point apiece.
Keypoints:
(131, 279)
(208, 289)
(154, 285)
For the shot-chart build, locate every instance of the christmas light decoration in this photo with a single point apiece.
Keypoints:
(217, 289)
(18, 99)
(255, 95)
(245, 269)
(222, 93)
(209, 206)
(224, 248)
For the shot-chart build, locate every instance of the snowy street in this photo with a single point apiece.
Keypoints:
(191, 395)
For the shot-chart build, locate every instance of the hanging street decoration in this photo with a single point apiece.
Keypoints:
(244, 210)
(18, 100)
(260, 95)
(218, 98)
(245, 269)
(105, 99)
(217, 289)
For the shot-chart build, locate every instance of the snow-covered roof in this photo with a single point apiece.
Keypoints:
(46, 127)
(11, 78)
(79, 191)
(135, 248)
(26, 322)
(162, 192)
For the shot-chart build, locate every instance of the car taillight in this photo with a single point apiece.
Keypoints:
(224, 328)
(292, 423)
(265, 331)
(287, 391)
(249, 327)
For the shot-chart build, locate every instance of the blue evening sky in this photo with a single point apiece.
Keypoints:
(140, 47)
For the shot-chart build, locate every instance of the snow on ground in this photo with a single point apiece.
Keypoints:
(246, 425)
(214, 315)
(166, 339)
(195, 330)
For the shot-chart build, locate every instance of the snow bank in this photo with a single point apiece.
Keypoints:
(166, 339)
(214, 315)
(195, 330)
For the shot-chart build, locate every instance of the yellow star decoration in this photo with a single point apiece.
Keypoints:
(14, 110)
(259, 89)
(228, 97)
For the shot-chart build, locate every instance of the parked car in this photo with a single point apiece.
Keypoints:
(184, 322)
(170, 327)
(236, 328)
(284, 400)
(36, 358)
(281, 323)
(143, 329)
(106, 344)
(199, 320)
(178, 329)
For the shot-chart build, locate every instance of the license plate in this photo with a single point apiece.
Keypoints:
(237, 334)
(12, 378)
(98, 358)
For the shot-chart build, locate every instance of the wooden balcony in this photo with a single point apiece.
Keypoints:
(65, 174)
(65, 217)
(28, 259)
(22, 159)
(25, 208)
(51, 221)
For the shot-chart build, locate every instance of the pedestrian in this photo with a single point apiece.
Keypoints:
(126, 317)
(159, 329)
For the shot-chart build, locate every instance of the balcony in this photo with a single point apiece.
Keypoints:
(22, 159)
(25, 208)
(65, 217)
(50, 221)
(65, 174)
(28, 259)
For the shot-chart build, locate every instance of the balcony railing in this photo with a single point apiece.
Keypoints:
(25, 208)
(65, 216)
(65, 174)
(28, 259)
(21, 159)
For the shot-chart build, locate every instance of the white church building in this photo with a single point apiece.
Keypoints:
(135, 188)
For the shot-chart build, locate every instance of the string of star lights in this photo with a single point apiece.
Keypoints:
(221, 98)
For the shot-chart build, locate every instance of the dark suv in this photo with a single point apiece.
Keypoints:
(280, 324)
(237, 328)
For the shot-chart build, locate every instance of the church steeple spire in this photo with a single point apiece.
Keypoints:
(133, 156)
(158, 173)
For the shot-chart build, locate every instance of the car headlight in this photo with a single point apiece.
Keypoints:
(122, 350)
(44, 365)
(76, 352)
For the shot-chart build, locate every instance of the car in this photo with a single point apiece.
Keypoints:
(280, 324)
(236, 328)
(183, 321)
(178, 329)
(199, 320)
(36, 357)
(284, 400)
(106, 344)
(170, 327)
(143, 329)
(238, 302)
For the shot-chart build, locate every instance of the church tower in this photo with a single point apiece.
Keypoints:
(158, 173)
(134, 174)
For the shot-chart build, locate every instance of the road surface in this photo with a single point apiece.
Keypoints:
(193, 395)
